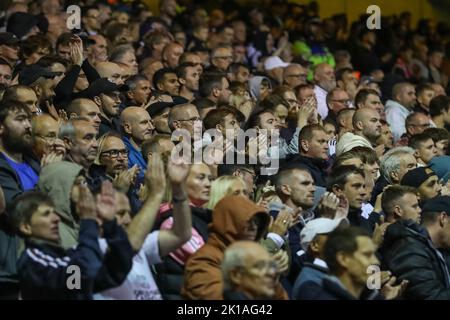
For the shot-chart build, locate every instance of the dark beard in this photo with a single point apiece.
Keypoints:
(16, 144)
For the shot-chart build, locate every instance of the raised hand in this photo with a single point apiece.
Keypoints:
(106, 202)
(84, 202)
(328, 205)
(126, 178)
(51, 157)
(281, 259)
(379, 231)
(281, 224)
(342, 209)
(155, 178)
(177, 172)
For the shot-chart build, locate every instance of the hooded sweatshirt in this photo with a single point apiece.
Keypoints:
(56, 180)
(255, 86)
(203, 276)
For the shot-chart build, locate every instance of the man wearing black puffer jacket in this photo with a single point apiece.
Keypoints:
(411, 251)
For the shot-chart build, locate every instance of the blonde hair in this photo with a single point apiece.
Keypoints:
(101, 144)
(220, 188)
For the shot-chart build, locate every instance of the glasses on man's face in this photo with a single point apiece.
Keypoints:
(263, 267)
(343, 101)
(114, 153)
(299, 75)
(50, 136)
(224, 57)
(193, 119)
(426, 125)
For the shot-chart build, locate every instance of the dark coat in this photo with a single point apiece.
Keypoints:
(407, 251)
(317, 167)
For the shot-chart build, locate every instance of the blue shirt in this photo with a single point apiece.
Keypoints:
(28, 177)
(135, 157)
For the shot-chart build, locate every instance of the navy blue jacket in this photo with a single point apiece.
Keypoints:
(44, 271)
(311, 274)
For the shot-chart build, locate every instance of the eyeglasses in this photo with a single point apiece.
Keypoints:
(343, 101)
(426, 125)
(114, 153)
(50, 136)
(191, 119)
(224, 57)
(262, 267)
(300, 75)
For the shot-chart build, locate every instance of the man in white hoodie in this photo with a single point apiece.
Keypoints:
(404, 99)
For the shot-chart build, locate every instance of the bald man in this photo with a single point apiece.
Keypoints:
(86, 109)
(110, 70)
(366, 123)
(183, 116)
(325, 81)
(45, 135)
(138, 127)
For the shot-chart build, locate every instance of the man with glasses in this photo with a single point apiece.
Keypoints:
(294, 75)
(45, 136)
(415, 123)
(337, 100)
(245, 171)
(249, 272)
(221, 58)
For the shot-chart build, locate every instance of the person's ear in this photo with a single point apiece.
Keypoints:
(37, 90)
(417, 153)
(130, 95)
(394, 176)
(149, 155)
(216, 92)
(182, 81)
(343, 260)
(359, 125)
(304, 144)
(97, 100)
(25, 228)
(286, 189)
(220, 128)
(127, 128)
(314, 246)
(340, 84)
(73, 115)
(176, 124)
(398, 212)
(235, 276)
(443, 219)
(160, 87)
(67, 143)
(337, 190)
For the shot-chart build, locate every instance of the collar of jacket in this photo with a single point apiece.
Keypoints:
(37, 242)
(317, 162)
(334, 286)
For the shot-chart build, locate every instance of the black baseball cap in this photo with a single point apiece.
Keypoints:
(29, 74)
(437, 204)
(102, 85)
(415, 177)
(158, 107)
(8, 39)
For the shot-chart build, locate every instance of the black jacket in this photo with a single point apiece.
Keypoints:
(45, 273)
(380, 184)
(407, 251)
(317, 167)
(332, 289)
(9, 242)
(356, 219)
(169, 275)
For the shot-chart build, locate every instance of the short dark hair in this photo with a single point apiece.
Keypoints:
(272, 101)
(229, 169)
(429, 217)
(423, 87)
(64, 39)
(394, 193)
(132, 81)
(8, 106)
(33, 43)
(340, 73)
(158, 77)
(234, 67)
(342, 240)
(339, 175)
(255, 118)
(210, 81)
(437, 134)
(181, 69)
(362, 95)
(203, 103)
(307, 132)
(216, 116)
(366, 154)
(150, 144)
(25, 205)
(439, 104)
(415, 140)
(3, 62)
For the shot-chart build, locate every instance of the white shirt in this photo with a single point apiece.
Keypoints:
(321, 97)
(139, 284)
(395, 116)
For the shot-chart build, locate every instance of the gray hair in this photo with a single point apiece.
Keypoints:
(390, 162)
(133, 80)
(118, 52)
(68, 130)
(233, 257)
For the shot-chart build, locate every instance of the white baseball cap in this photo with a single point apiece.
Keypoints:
(274, 62)
(315, 227)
